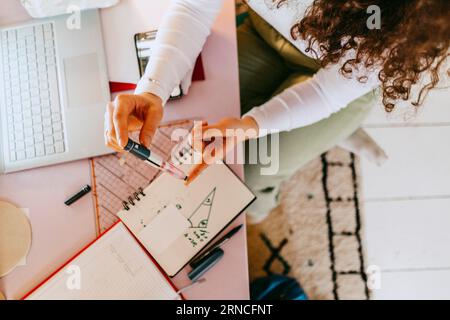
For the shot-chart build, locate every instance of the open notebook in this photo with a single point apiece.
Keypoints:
(115, 266)
(174, 222)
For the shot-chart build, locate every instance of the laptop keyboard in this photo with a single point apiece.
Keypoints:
(33, 111)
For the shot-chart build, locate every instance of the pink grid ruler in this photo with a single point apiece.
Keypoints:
(116, 177)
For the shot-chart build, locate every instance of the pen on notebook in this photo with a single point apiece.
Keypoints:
(145, 154)
(216, 245)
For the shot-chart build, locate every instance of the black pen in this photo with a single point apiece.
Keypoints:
(205, 263)
(216, 245)
(85, 190)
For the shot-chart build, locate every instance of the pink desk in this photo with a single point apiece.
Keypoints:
(60, 231)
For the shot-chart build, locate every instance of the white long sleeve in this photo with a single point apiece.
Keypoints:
(178, 43)
(180, 39)
(305, 103)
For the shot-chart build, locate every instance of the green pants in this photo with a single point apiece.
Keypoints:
(268, 64)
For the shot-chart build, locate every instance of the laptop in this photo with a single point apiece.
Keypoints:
(53, 92)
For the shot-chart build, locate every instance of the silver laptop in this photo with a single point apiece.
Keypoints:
(53, 92)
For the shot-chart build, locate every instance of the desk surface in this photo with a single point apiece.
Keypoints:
(60, 231)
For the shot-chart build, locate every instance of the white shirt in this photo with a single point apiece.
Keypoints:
(183, 33)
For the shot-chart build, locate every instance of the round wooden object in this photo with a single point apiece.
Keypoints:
(15, 237)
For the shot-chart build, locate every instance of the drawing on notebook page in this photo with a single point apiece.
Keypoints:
(197, 236)
(200, 217)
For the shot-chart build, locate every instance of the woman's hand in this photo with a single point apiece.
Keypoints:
(130, 112)
(215, 141)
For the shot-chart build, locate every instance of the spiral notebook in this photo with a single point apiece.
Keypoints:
(174, 221)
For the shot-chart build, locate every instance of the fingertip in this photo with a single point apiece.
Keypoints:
(195, 172)
(145, 140)
(122, 142)
(191, 177)
(114, 146)
(145, 143)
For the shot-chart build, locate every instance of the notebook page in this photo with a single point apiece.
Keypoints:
(114, 267)
(209, 203)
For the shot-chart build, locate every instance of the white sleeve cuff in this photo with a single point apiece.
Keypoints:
(266, 122)
(147, 86)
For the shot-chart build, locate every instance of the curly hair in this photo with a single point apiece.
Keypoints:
(413, 41)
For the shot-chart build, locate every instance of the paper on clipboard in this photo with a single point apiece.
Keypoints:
(118, 34)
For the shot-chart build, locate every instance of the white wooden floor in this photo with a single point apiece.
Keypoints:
(407, 201)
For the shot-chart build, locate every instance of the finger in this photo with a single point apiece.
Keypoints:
(213, 151)
(111, 142)
(115, 147)
(225, 127)
(148, 129)
(213, 131)
(211, 155)
(195, 172)
(120, 119)
(109, 126)
(198, 127)
(110, 133)
(106, 127)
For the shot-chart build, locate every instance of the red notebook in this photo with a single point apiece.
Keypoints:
(197, 75)
(114, 266)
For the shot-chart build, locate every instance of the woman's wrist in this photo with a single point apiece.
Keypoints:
(251, 126)
(153, 97)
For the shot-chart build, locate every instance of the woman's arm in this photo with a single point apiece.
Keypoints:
(300, 105)
(303, 104)
(179, 40)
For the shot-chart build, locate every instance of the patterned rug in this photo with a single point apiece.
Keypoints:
(314, 235)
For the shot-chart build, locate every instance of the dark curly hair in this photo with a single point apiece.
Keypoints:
(413, 41)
